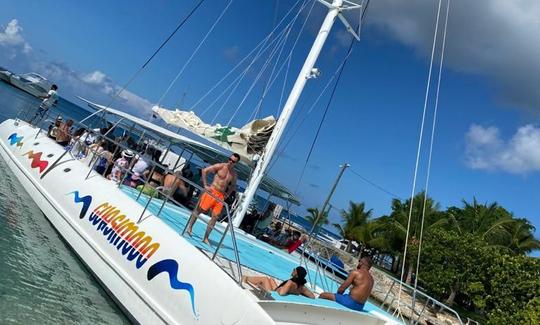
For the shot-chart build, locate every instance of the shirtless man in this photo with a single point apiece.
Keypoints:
(224, 176)
(362, 284)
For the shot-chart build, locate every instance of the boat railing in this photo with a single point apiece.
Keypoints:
(414, 304)
(414, 307)
(125, 172)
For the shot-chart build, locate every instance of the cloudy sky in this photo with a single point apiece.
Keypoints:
(487, 141)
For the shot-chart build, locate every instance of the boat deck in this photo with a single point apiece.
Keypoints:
(256, 257)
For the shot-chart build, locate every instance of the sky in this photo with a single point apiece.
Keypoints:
(487, 134)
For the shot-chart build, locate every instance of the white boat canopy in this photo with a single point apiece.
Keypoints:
(248, 141)
(207, 153)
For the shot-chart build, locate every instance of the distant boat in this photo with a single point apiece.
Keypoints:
(32, 83)
(5, 74)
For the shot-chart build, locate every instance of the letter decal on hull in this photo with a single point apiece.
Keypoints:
(171, 267)
(86, 201)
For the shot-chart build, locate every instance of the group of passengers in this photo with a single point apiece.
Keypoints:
(139, 168)
(359, 282)
(287, 239)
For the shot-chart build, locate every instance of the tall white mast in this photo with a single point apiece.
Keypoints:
(306, 73)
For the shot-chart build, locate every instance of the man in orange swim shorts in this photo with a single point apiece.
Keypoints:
(212, 199)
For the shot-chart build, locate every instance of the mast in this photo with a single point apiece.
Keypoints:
(306, 73)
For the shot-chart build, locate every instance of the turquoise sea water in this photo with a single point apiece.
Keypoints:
(42, 280)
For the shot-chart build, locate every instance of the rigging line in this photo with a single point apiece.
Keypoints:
(297, 127)
(241, 78)
(195, 52)
(363, 13)
(288, 60)
(136, 74)
(349, 51)
(436, 109)
(238, 78)
(276, 9)
(373, 184)
(263, 69)
(269, 81)
(418, 158)
(248, 55)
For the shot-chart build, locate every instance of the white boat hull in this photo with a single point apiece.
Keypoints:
(34, 91)
(148, 297)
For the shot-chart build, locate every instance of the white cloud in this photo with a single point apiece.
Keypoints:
(487, 150)
(93, 78)
(497, 39)
(95, 85)
(11, 38)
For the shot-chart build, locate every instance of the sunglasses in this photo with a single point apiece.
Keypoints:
(233, 161)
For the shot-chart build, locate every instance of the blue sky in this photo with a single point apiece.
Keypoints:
(487, 141)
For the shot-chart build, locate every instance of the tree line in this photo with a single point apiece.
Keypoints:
(474, 255)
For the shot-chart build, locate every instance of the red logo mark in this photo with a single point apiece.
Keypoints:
(36, 160)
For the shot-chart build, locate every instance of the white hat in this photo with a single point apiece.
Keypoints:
(127, 153)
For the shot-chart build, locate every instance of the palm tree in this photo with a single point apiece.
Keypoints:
(312, 218)
(353, 220)
(521, 238)
(494, 225)
(393, 229)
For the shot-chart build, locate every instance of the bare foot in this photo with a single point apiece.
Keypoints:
(207, 242)
(189, 232)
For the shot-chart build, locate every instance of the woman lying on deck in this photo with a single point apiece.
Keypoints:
(294, 286)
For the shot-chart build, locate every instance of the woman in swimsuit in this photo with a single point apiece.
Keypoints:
(295, 285)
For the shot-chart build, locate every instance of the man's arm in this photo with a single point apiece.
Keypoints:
(347, 283)
(232, 186)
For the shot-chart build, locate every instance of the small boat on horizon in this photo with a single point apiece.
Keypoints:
(32, 83)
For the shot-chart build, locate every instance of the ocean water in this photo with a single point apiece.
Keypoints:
(42, 280)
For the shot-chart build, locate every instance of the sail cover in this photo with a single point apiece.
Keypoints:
(248, 141)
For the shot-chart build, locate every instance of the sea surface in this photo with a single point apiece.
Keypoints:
(42, 280)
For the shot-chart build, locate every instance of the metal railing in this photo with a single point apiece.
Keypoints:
(415, 312)
(166, 195)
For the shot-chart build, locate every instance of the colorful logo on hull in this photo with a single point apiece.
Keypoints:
(86, 201)
(132, 243)
(15, 139)
(170, 267)
(36, 160)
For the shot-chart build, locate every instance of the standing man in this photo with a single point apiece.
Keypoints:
(223, 184)
(362, 284)
(48, 101)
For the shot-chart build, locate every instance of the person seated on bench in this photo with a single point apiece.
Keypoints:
(294, 286)
(362, 284)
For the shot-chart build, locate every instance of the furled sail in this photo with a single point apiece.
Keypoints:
(248, 141)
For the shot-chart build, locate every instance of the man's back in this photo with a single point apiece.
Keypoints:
(361, 286)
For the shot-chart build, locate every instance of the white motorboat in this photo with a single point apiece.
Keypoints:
(5, 74)
(32, 83)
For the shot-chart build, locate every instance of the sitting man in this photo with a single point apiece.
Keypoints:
(362, 284)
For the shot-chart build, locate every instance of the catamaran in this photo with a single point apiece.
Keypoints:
(133, 242)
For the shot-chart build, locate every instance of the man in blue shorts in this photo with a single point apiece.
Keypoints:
(361, 283)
